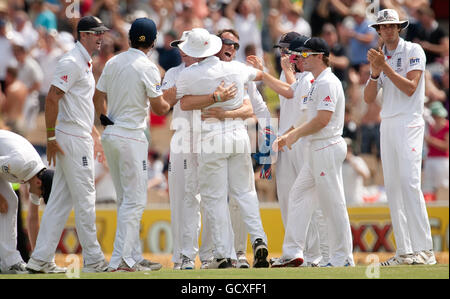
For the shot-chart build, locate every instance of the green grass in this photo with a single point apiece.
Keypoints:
(358, 272)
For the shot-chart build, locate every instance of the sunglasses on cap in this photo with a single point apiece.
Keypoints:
(227, 41)
(97, 33)
(304, 54)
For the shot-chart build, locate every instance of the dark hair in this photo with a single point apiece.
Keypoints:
(326, 60)
(232, 31)
(144, 45)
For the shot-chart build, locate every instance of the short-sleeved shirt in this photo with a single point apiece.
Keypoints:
(129, 79)
(326, 93)
(19, 161)
(291, 109)
(73, 75)
(406, 58)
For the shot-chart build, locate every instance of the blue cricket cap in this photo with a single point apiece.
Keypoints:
(143, 31)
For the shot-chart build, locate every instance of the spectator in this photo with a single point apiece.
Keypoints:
(338, 57)
(350, 127)
(6, 50)
(104, 185)
(186, 20)
(14, 100)
(359, 35)
(246, 15)
(354, 172)
(431, 36)
(216, 21)
(44, 16)
(24, 28)
(30, 73)
(436, 167)
(106, 52)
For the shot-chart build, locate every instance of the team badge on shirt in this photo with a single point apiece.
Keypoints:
(65, 78)
(414, 61)
(5, 168)
(158, 87)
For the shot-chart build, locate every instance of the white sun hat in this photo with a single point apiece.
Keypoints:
(200, 43)
(183, 37)
(389, 16)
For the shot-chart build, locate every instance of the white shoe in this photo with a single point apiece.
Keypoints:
(242, 262)
(286, 262)
(177, 266)
(220, 263)
(151, 265)
(205, 264)
(101, 266)
(37, 266)
(424, 257)
(187, 263)
(396, 260)
(19, 268)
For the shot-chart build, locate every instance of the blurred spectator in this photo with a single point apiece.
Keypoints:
(329, 11)
(216, 21)
(30, 73)
(436, 167)
(6, 50)
(44, 16)
(14, 100)
(246, 15)
(444, 84)
(104, 186)
(156, 178)
(350, 127)
(186, 19)
(354, 172)
(47, 55)
(430, 35)
(359, 35)
(338, 57)
(168, 56)
(106, 52)
(23, 27)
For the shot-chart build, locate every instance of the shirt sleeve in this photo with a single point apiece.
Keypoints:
(66, 74)
(248, 73)
(182, 84)
(326, 98)
(152, 81)
(168, 80)
(416, 59)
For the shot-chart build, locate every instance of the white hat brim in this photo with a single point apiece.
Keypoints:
(214, 46)
(404, 24)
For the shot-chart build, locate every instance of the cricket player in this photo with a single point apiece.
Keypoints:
(129, 84)
(19, 163)
(399, 69)
(222, 171)
(72, 147)
(322, 170)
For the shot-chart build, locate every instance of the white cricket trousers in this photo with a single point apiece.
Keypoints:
(127, 155)
(222, 174)
(73, 187)
(322, 174)
(401, 142)
(193, 215)
(9, 255)
(288, 166)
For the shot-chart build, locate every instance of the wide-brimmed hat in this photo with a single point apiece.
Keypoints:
(200, 43)
(389, 16)
(183, 37)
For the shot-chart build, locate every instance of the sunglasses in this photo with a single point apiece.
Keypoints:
(304, 54)
(97, 33)
(227, 41)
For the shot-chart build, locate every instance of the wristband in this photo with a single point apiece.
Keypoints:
(50, 129)
(218, 98)
(51, 138)
(374, 78)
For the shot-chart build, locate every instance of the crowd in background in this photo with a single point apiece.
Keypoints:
(34, 35)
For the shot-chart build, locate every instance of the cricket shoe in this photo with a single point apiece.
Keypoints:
(283, 262)
(205, 264)
(123, 267)
(330, 265)
(19, 268)
(151, 265)
(242, 262)
(260, 253)
(223, 263)
(424, 257)
(101, 266)
(187, 263)
(36, 266)
(397, 260)
(177, 266)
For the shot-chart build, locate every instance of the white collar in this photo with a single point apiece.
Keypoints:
(83, 51)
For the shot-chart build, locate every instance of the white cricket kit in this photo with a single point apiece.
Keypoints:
(401, 140)
(322, 171)
(223, 169)
(129, 79)
(73, 182)
(19, 162)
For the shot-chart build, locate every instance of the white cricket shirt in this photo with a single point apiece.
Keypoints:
(19, 161)
(259, 106)
(73, 75)
(326, 93)
(129, 79)
(407, 57)
(291, 109)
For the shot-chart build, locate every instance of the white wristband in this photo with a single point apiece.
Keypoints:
(51, 138)
(376, 80)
